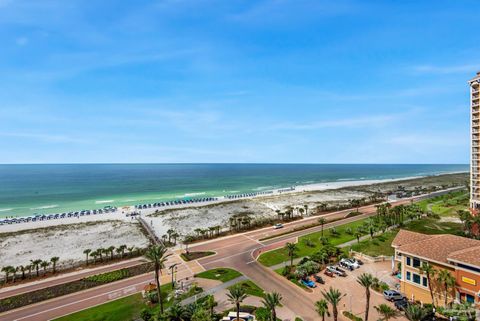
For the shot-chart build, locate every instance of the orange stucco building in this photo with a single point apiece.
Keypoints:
(460, 256)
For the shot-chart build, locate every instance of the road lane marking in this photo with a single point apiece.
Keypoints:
(83, 300)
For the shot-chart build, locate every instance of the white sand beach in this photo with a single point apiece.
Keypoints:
(67, 241)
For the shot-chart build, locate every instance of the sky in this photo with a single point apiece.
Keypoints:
(268, 81)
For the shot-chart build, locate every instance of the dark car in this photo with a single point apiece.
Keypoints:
(319, 279)
(401, 304)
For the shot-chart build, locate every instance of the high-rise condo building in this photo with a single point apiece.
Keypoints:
(475, 143)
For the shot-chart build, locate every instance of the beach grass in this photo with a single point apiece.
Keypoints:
(310, 243)
(220, 274)
(379, 245)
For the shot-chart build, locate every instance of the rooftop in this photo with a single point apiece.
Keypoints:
(476, 78)
(440, 248)
(406, 237)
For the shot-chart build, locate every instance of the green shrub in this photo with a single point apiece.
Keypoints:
(351, 316)
(109, 276)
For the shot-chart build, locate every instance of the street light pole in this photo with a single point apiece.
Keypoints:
(171, 268)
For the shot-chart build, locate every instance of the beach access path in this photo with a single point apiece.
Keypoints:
(238, 251)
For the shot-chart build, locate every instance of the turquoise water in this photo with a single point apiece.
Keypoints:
(28, 189)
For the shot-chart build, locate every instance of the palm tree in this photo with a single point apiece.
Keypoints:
(170, 233)
(14, 271)
(333, 296)
(271, 301)
(36, 265)
(210, 304)
(236, 295)
(122, 249)
(44, 265)
(444, 277)
(291, 250)
(322, 221)
(322, 308)
(87, 253)
(386, 312)
(176, 235)
(366, 280)
(22, 268)
(111, 249)
(94, 254)
(7, 270)
(29, 268)
(157, 255)
(130, 250)
(414, 312)
(176, 313)
(429, 272)
(54, 261)
(306, 209)
(99, 253)
(200, 315)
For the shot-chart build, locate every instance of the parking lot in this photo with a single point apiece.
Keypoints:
(355, 294)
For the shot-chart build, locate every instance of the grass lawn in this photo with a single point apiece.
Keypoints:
(251, 288)
(434, 226)
(221, 274)
(123, 309)
(446, 205)
(380, 245)
(280, 255)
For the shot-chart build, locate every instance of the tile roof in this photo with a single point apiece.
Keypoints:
(405, 237)
(440, 248)
(470, 256)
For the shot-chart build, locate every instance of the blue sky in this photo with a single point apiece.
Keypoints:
(236, 81)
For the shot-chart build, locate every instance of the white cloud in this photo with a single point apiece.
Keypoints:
(331, 123)
(452, 69)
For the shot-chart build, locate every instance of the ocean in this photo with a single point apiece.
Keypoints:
(44, 189)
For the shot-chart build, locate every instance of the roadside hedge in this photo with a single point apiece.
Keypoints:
(24, 299)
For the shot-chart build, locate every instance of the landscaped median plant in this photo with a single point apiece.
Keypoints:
(351, 316)
(72, 287)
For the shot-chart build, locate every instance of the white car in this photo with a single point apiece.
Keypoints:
(277, 226)
(351, 264)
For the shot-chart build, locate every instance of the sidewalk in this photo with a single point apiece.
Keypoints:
(213, 290)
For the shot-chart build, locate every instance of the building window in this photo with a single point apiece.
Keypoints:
(416, 278)
(409, 261)
(409, 276)
(470, 298)
(416, 262)
(425, 281)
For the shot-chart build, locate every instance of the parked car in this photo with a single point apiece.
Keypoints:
(401, 304)
(329, 273)
(338, 271)
(308, 283)
(392, 295)
(349, 264)
(277, 226)
(319, 279)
